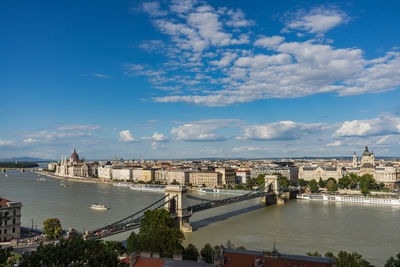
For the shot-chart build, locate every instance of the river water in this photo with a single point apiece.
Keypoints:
(297, 227)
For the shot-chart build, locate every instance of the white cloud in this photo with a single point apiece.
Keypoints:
(30, 140)
(268, 42)
(335, 143)
(48, 135)
(382, 125)
(201, 45)
(7, 143)
(157, 137)
(317, 20)
(203, 130)
(153, 9)
(245, 148)
(101, 75)
(182, 6)
(225, 60)
(283, 130)
(125, 136)
(79, 127)
(237, 19)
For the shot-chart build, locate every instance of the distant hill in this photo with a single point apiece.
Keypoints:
(26, 159)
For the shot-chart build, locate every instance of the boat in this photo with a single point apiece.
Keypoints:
(121, 184)
(351, 199)
(98, 207)
(222, 191)
(147, 188)
(41, 179)
(64, 185)
(6, 175)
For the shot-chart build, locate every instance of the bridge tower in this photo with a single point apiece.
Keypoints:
(275, 183)
(274, 196)
(178, 206)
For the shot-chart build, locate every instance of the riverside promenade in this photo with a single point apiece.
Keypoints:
(75, 179)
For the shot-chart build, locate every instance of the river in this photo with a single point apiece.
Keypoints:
(297, 227)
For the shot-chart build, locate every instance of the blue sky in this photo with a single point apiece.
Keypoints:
(178, 79)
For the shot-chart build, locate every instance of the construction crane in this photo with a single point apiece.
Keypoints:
(116, 160)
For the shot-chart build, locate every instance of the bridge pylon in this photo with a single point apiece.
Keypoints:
(177, 206)
(274, 196)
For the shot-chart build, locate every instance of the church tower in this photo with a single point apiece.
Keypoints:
(355, 160)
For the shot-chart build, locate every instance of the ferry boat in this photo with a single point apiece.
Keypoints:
(352, 199)
(121, 184)
(98, 207)
(147, 188)
(222, 191)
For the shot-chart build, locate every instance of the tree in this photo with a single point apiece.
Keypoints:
(321, 183)
(115, 246)
(345, 259)
(174, 182)
(344, 182)
(133, 243)
(207, 253)
(302, 182)
(313, 186)
(52, 228)
(315, 254)
(365, 190)
(260, 179)
(157, 234)
(331, 186)
(73, 252)
(190, 253)
(5, 253)
(393, 262)
(283, 181)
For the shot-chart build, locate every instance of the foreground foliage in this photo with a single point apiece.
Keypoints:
(157, 235)
(75, 252)
(345, 259)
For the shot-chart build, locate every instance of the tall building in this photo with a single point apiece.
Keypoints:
(10, 220)
(228, 175)
(75, 167)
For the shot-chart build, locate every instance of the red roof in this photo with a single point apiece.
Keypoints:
(3, 202)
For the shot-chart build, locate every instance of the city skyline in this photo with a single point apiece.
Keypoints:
(162, 79)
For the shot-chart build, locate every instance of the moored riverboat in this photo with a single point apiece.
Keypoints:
(351, 199)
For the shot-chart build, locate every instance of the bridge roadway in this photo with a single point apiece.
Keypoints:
(133, 221)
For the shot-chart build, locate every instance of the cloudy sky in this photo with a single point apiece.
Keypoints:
(179, 79)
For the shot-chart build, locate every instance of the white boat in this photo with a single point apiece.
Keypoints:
(121, 184)
(41, 179)
(64, 185)
(352, 199)
(99, 207)
(6, 175)
(222, 191)
(147, 188)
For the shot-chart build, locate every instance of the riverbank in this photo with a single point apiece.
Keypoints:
(74, 179)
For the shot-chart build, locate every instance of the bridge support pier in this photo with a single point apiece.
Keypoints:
(178, 206)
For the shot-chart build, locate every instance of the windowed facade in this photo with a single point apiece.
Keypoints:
(10, 220)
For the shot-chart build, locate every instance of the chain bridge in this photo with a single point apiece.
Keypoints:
(175, 201)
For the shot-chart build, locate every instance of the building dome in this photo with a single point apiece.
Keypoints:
(366, 152)
(74, 156)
